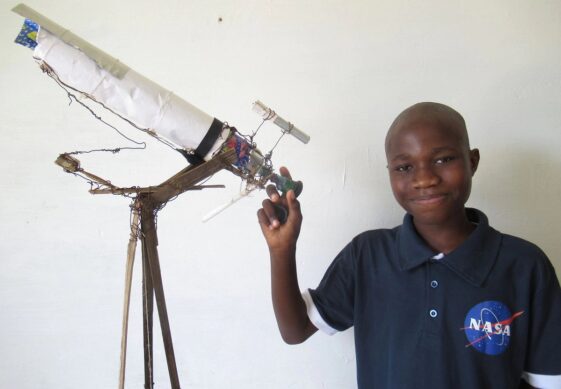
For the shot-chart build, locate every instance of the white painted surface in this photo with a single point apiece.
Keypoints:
(340, 71)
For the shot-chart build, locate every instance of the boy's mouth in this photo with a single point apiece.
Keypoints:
(430, 199)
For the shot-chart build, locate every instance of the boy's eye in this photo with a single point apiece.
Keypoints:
(444, 160)
(402, 168)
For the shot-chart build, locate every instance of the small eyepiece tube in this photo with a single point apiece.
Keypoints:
(268, 114)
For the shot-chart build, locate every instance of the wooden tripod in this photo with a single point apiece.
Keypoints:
(147, 203)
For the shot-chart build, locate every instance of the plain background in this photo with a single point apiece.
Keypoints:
(341, 71)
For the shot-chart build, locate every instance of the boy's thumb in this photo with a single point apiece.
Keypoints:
(293, 204)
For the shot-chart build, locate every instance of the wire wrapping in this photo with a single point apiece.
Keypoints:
(67, 88)
(252, 181)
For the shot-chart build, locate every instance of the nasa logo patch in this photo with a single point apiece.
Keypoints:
(488, 327)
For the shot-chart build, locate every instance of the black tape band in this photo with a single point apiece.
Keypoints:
(211, 135)
(206, 144)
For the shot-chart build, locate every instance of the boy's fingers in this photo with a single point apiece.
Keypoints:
(262, 219)
(269, 214)
(272, 193)
(284, 172)
(293, 204)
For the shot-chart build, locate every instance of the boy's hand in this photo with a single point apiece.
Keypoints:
(288, 304)
(280, 237)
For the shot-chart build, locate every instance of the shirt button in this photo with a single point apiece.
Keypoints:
(433, 313)
(434, 284)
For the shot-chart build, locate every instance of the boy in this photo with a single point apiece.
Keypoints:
(442, 301)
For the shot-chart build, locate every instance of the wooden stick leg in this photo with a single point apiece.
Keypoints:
(150, 238)
(148, 200)
(131, 250)
(148, 314)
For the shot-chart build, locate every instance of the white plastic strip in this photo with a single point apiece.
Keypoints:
(223, 207)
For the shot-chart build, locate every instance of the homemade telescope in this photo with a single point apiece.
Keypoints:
(207, 143)
(80, 67)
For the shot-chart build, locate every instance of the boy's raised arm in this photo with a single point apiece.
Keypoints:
(288, 304)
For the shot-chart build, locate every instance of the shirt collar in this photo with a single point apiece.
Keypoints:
(472, 260)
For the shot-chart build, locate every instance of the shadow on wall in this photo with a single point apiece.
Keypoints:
(519, 189)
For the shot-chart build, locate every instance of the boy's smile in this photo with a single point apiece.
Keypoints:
(431, 166)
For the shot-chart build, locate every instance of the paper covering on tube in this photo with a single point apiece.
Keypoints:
(127, 93)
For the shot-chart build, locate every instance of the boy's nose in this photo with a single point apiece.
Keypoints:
(425, 177)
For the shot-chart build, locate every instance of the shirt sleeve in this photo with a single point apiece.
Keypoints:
(332, 302)
(543, 362)
(315, 316)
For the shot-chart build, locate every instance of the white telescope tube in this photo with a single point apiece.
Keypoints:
(268, 114)
(79, 65)
(83, 67)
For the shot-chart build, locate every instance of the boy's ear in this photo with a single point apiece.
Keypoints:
(474, 160)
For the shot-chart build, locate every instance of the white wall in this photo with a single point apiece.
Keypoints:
(341, 71)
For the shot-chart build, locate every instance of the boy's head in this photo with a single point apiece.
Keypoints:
(430, 163)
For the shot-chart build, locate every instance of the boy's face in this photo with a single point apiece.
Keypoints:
(430, 170)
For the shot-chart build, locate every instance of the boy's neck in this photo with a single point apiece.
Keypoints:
(445, 238)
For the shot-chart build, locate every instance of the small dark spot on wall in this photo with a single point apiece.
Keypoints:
(220, 20)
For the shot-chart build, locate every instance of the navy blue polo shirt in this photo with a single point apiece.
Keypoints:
(483, 316)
